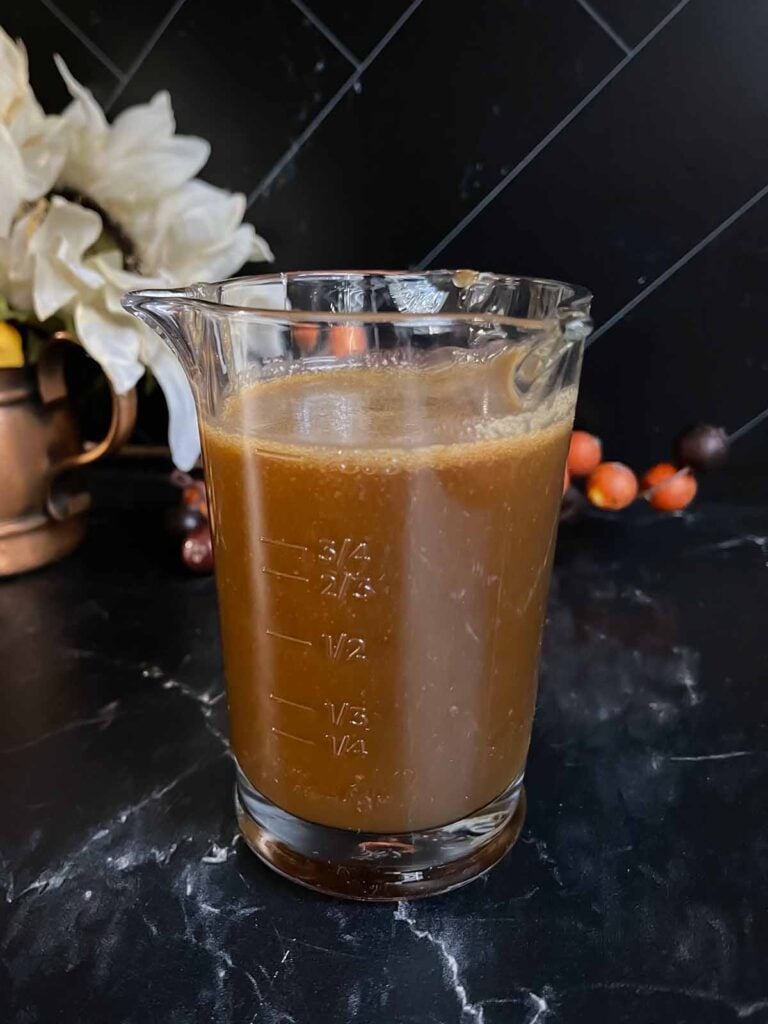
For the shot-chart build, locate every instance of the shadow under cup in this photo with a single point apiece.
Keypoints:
(384, 455)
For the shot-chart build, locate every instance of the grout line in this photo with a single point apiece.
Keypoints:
(677, 265)
(609, 31)
(745, 428)
(295, 146)
(143, 54)
(549, 137)
(323, 29)
(78, 33)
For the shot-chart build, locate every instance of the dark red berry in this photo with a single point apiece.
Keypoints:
(197, 550)
(180, 519)
(703, 447)
(573, 506)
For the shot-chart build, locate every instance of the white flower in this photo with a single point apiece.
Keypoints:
(71, 181)
(31, 144)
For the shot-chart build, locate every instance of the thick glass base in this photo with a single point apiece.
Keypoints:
(372, 865)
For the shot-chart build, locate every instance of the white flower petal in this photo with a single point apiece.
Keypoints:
(42, 146)
(151, 171)
(113, 341)
(12, 181)
(14, 75)
(143, 175)
(147, 121)
(260, 250)
(58, 246)
(80, 227)
(84, 111)
(225, 260)
(53, 288)
(183, 436)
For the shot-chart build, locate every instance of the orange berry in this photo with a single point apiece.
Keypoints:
(193, 495)
(566, 480)
(612, 485)
(584, 454)
(668, 487)
(347, 340)
(305, 336)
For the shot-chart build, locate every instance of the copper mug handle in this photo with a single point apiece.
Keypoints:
(52, 387)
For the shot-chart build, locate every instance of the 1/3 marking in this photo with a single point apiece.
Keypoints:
(344, 647)
(354, 714)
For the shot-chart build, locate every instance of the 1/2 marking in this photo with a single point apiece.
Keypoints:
(344, 647)
(284, 636)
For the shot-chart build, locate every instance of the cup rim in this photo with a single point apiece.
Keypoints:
(573, 299)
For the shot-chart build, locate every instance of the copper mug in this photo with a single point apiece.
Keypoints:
(42, 504)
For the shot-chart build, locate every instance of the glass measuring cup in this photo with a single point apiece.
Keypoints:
(384, 455)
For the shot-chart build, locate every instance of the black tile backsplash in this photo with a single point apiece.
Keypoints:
(645, 171)
(641, 125)
(358, 26)
(119, 30)
(632, 19)
(421, 142)
(249, 79)
(44, 35)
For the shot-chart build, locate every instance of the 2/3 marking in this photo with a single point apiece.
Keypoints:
(339, 585)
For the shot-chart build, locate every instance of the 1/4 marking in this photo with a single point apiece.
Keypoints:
(290, 736)
(341, 745)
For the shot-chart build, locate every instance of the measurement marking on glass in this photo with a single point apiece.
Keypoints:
(283, 544)
(284, 636)
(343, 647)
(277, 455)
(291, 703)
(290, 736)
(285, 575)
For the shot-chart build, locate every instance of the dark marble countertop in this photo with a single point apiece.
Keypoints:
(638, 892)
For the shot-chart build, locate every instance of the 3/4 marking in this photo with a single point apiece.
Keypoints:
(284, 636)
(344, 647)
(284, 544)
(340, 554)
(290, 736)
(290, 703)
